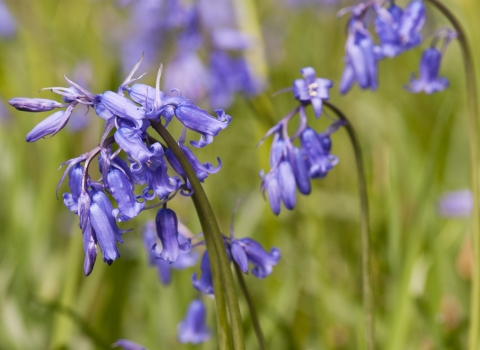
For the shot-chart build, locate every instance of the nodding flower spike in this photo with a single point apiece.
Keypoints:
(167, 231)
(429, 81)
(205, 283)
(34, 104)
(193, 328)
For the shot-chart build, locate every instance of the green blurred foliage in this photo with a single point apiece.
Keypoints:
(415, 149)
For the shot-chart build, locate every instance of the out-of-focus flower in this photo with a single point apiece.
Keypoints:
(360, 60)
(128, 345)
(456, 204)
(387, 24)
(204, 284)
(193, 328)
(412, 23)
(429, 81)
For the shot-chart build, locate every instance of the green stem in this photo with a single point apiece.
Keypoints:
(252, 308)
(221, 271)
(365, 230)
(470, 77)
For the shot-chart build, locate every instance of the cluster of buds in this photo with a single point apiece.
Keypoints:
(398, 30)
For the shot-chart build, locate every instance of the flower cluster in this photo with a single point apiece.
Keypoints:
(398, 30)
(199, 29)
(292, 167)
(145, 164)
(243, 252)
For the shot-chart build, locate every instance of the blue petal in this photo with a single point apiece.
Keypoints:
(205, 283)
(239, 256)
(34, 104)
(49, 125)
(193, 328)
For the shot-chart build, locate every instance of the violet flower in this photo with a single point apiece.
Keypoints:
(247, 249)
(205, 283)
(456, 204)
(311, 89)
(412, 23)
(317, 150)
(360, 60)
(128, 345)
(167, 230)
(387, 24)
(429, 81)
(193, 328)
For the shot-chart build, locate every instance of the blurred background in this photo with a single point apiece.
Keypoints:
(415, 148)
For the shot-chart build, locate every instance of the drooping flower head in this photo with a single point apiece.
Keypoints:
(428, 80)
(193, 328)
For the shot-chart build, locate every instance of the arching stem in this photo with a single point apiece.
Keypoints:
(251, 308)
(472, 105)
(221, 271)
(365, 230)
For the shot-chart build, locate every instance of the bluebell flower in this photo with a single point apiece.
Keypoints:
(387, 24)
(193, 328)
(106, 229)
(128, 345)
(166, 224)
(130, 139)
(360, 60)
(429, 81)
(205, 283)
(164, 268)
(198, 120)
(412, 23)
(122, 107)
(280, 182)
(121, 188)
(247, 249)
(311, 89)
(202, 170)
(75, 177)
(316, 148)
(456, 204)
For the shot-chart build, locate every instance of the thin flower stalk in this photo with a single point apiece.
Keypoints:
(215, 246)
(365, 230)
(472, 106)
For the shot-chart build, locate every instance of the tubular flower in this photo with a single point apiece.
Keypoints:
(205, 283)
(317, 151)
(193, 328)
(412, 23)
(387, 24)
(75, 184)
(247, 249)
(167, 231)
(429, 81)
(360, 59)
(280, 182)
